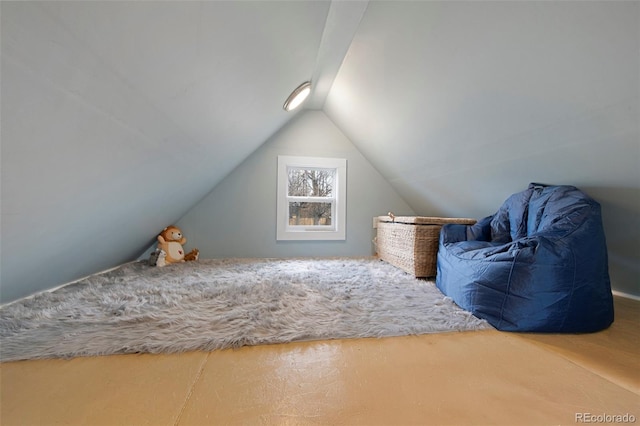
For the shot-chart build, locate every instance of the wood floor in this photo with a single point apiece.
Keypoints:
(475, 378)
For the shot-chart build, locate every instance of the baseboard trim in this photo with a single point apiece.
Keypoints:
(49, 290)
(625, 295)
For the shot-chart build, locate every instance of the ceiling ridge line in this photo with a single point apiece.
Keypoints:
(341, 25)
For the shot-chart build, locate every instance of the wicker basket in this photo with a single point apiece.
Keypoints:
(411, 242)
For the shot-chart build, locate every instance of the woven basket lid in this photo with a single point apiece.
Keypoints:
(426, 220)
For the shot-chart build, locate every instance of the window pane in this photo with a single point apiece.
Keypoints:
(311, 182)
(309, 214)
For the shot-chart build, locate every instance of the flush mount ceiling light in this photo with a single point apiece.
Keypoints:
(297, 96)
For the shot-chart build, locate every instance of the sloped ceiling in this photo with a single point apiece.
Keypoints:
(117, 117)
(439, 95)
(460, 104)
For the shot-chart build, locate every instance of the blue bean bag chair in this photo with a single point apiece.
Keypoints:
(539, 264)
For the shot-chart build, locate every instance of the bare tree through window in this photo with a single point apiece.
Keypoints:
(315, 188)
(311, 202)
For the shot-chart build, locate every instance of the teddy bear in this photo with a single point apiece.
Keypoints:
(171, 241)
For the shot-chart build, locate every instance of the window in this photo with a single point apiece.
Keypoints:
(311, 198)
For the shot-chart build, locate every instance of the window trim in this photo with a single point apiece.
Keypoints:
(337, 229)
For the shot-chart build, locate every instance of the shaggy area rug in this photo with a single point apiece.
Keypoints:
(214, 304)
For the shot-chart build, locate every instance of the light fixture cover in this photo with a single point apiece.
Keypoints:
(297, 96)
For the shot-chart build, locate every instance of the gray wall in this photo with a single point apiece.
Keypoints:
(238, 218)
(117, 117)
(460, 104)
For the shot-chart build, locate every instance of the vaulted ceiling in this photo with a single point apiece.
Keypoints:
(117, 117)
(455, 102)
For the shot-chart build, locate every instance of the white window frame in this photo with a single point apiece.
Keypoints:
(337, 229)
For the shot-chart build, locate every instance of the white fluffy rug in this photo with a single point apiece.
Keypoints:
(214, 304)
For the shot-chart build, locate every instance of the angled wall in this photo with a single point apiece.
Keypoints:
(238, 218)
(460, 104)
(117, 117)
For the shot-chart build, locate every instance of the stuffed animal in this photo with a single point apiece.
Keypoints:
(157, 258)
(153, 258)
(171, 241)
(162, 258)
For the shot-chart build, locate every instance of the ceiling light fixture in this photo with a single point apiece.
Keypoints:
(297, 96)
